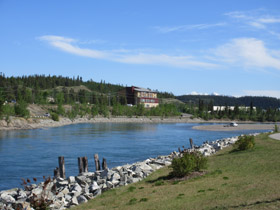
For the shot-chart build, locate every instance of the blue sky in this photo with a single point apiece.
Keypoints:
(227, 47)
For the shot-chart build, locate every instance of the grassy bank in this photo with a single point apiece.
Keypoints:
(235, 180)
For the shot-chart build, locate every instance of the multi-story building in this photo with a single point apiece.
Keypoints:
(136, 95)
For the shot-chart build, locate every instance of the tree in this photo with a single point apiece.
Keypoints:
(1, 103)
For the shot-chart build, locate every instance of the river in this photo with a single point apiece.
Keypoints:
(34, 153)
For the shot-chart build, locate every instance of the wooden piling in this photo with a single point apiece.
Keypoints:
(104, 164)
(191, 143)
(97, 163)
(61, 167)
(85, 164)
(80, 165)
(179, 149)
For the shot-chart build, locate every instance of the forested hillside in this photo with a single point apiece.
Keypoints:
(260, 102)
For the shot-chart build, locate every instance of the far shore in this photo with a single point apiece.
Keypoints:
(16, 123)
(241, 126)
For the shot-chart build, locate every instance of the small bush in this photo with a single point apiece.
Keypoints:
(143, 200)
(245, 143)
(55, 117)
(132, 201)
(275, 128)
(21, 109)
(159, 183)
(40, 201)
(131, 189)
(190, 162)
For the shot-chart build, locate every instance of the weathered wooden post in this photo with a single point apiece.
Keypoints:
(61, 167)
(56, 172)
(179, 149)
(97, 163)
(80, 165)
(191, 143)
(85, 164)
(104, 164)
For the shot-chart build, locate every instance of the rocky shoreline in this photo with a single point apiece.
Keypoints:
(75, 190)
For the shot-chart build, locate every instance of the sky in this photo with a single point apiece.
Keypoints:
(221, 47)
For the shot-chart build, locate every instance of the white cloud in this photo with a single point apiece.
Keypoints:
(125, 56)
(270, 93)
(248, 52)
(269, 20)
(188, 27)
(257, 19)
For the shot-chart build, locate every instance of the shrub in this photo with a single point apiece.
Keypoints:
(190, 162)
(43, 200)
(55, 116)
(245, 143)
(275, 128)
(21, 109)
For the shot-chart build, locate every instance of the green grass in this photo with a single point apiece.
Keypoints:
(235, 180)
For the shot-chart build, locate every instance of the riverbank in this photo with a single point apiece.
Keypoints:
(235, 180)
(241, 126)
(65, 193)
(16, 123)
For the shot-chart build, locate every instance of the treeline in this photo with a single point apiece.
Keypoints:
(205, 111)
(258, 101)
(163, 110)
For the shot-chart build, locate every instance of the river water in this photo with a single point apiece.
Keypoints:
(34, 153)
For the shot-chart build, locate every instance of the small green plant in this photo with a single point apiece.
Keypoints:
(225, 178)
(143, 200)
(159, 183)
(200, 191)
(54, 116)
(132, 201)
(190, 162)
(276, 129)
(244, 143)
(131, 188)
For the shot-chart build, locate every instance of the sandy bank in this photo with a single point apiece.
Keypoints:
(33, 123)
(221, 127)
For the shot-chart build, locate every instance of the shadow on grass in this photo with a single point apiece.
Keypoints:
(248, 205)
(176, 180)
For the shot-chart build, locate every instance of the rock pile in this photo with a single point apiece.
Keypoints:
(75, 190)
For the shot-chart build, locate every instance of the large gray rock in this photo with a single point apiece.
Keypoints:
(21, 196)
(6, 198)
(81, 199)
(115, 177)
(93, 187)
(74, 201)
(97, 192)
(71, 179)
(109, 184)
(82, 180)
(37, 191)
(76, 188)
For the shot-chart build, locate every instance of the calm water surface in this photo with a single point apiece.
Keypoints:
(34, 153)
